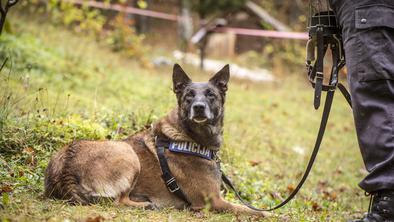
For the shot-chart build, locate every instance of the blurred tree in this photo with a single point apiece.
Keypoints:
(142, 22)
(205, 8)
(213, 8)
(4, 10)
(185, 24)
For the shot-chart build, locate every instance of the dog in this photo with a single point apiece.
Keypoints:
(129, 171)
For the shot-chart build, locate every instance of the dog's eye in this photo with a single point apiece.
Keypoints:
(210, 95)
(189, 96)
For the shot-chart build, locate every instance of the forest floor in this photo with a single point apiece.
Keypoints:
(59, 86)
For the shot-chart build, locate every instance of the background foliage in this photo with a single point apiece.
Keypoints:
(65, 81)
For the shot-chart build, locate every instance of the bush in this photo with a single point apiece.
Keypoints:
(117, 33)
(124, 39)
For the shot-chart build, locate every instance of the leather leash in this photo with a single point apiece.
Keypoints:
(315, 74)
(323, 123)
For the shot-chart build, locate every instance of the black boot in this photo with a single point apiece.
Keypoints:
(381, 209)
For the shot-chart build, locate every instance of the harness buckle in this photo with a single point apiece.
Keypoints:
(172, 181)
(319, 75)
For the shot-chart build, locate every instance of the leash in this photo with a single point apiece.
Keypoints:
(322, 36)
(323, 123)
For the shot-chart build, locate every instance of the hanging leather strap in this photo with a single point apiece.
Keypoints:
(319, 67)
(169, 179)
(345, 93)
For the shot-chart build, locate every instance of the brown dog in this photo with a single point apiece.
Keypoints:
(129, 170)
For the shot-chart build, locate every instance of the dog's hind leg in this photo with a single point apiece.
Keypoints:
(124, 199)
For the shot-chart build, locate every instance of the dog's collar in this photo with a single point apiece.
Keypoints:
(186, 147)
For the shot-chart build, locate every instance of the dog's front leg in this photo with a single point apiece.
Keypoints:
(221, 205)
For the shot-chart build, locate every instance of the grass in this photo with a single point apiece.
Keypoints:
(59, 86)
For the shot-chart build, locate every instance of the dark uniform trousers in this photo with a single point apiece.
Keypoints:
(368, 37)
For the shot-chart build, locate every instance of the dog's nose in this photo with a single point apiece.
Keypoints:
(199, 107)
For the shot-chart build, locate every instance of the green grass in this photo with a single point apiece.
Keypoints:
(64, 86)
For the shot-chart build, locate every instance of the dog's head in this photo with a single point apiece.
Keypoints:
(200, 103)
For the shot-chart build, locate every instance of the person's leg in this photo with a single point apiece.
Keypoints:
(368, 36)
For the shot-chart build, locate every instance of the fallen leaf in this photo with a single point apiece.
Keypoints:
(28, 150)
(95, 219)
(6, 189)
(330, 195)
(342, 189)
(323, 183)
(254, 162)
(316, 207)
(290, 188)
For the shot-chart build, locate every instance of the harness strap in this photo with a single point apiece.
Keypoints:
(167, 176)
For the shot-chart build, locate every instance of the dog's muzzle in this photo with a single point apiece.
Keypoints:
(200, 112)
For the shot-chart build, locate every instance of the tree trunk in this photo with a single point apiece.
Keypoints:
(185, 25)
(141, 22)
(2, 22)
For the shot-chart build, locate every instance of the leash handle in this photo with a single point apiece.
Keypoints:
(319, 67)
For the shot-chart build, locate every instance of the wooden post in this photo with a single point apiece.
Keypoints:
(266, 17)
(141, 22)
(185, 24)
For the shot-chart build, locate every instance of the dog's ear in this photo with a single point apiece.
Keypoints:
(221, 78)
(179, 79)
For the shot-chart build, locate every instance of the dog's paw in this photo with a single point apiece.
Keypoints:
(151, 206)
(261, 214)
(199, 214)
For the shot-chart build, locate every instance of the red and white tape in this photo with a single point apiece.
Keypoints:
(172, 17)
(126, 9)
(265, 33)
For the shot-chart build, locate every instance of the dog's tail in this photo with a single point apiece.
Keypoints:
(61, 182)
(73, 191)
